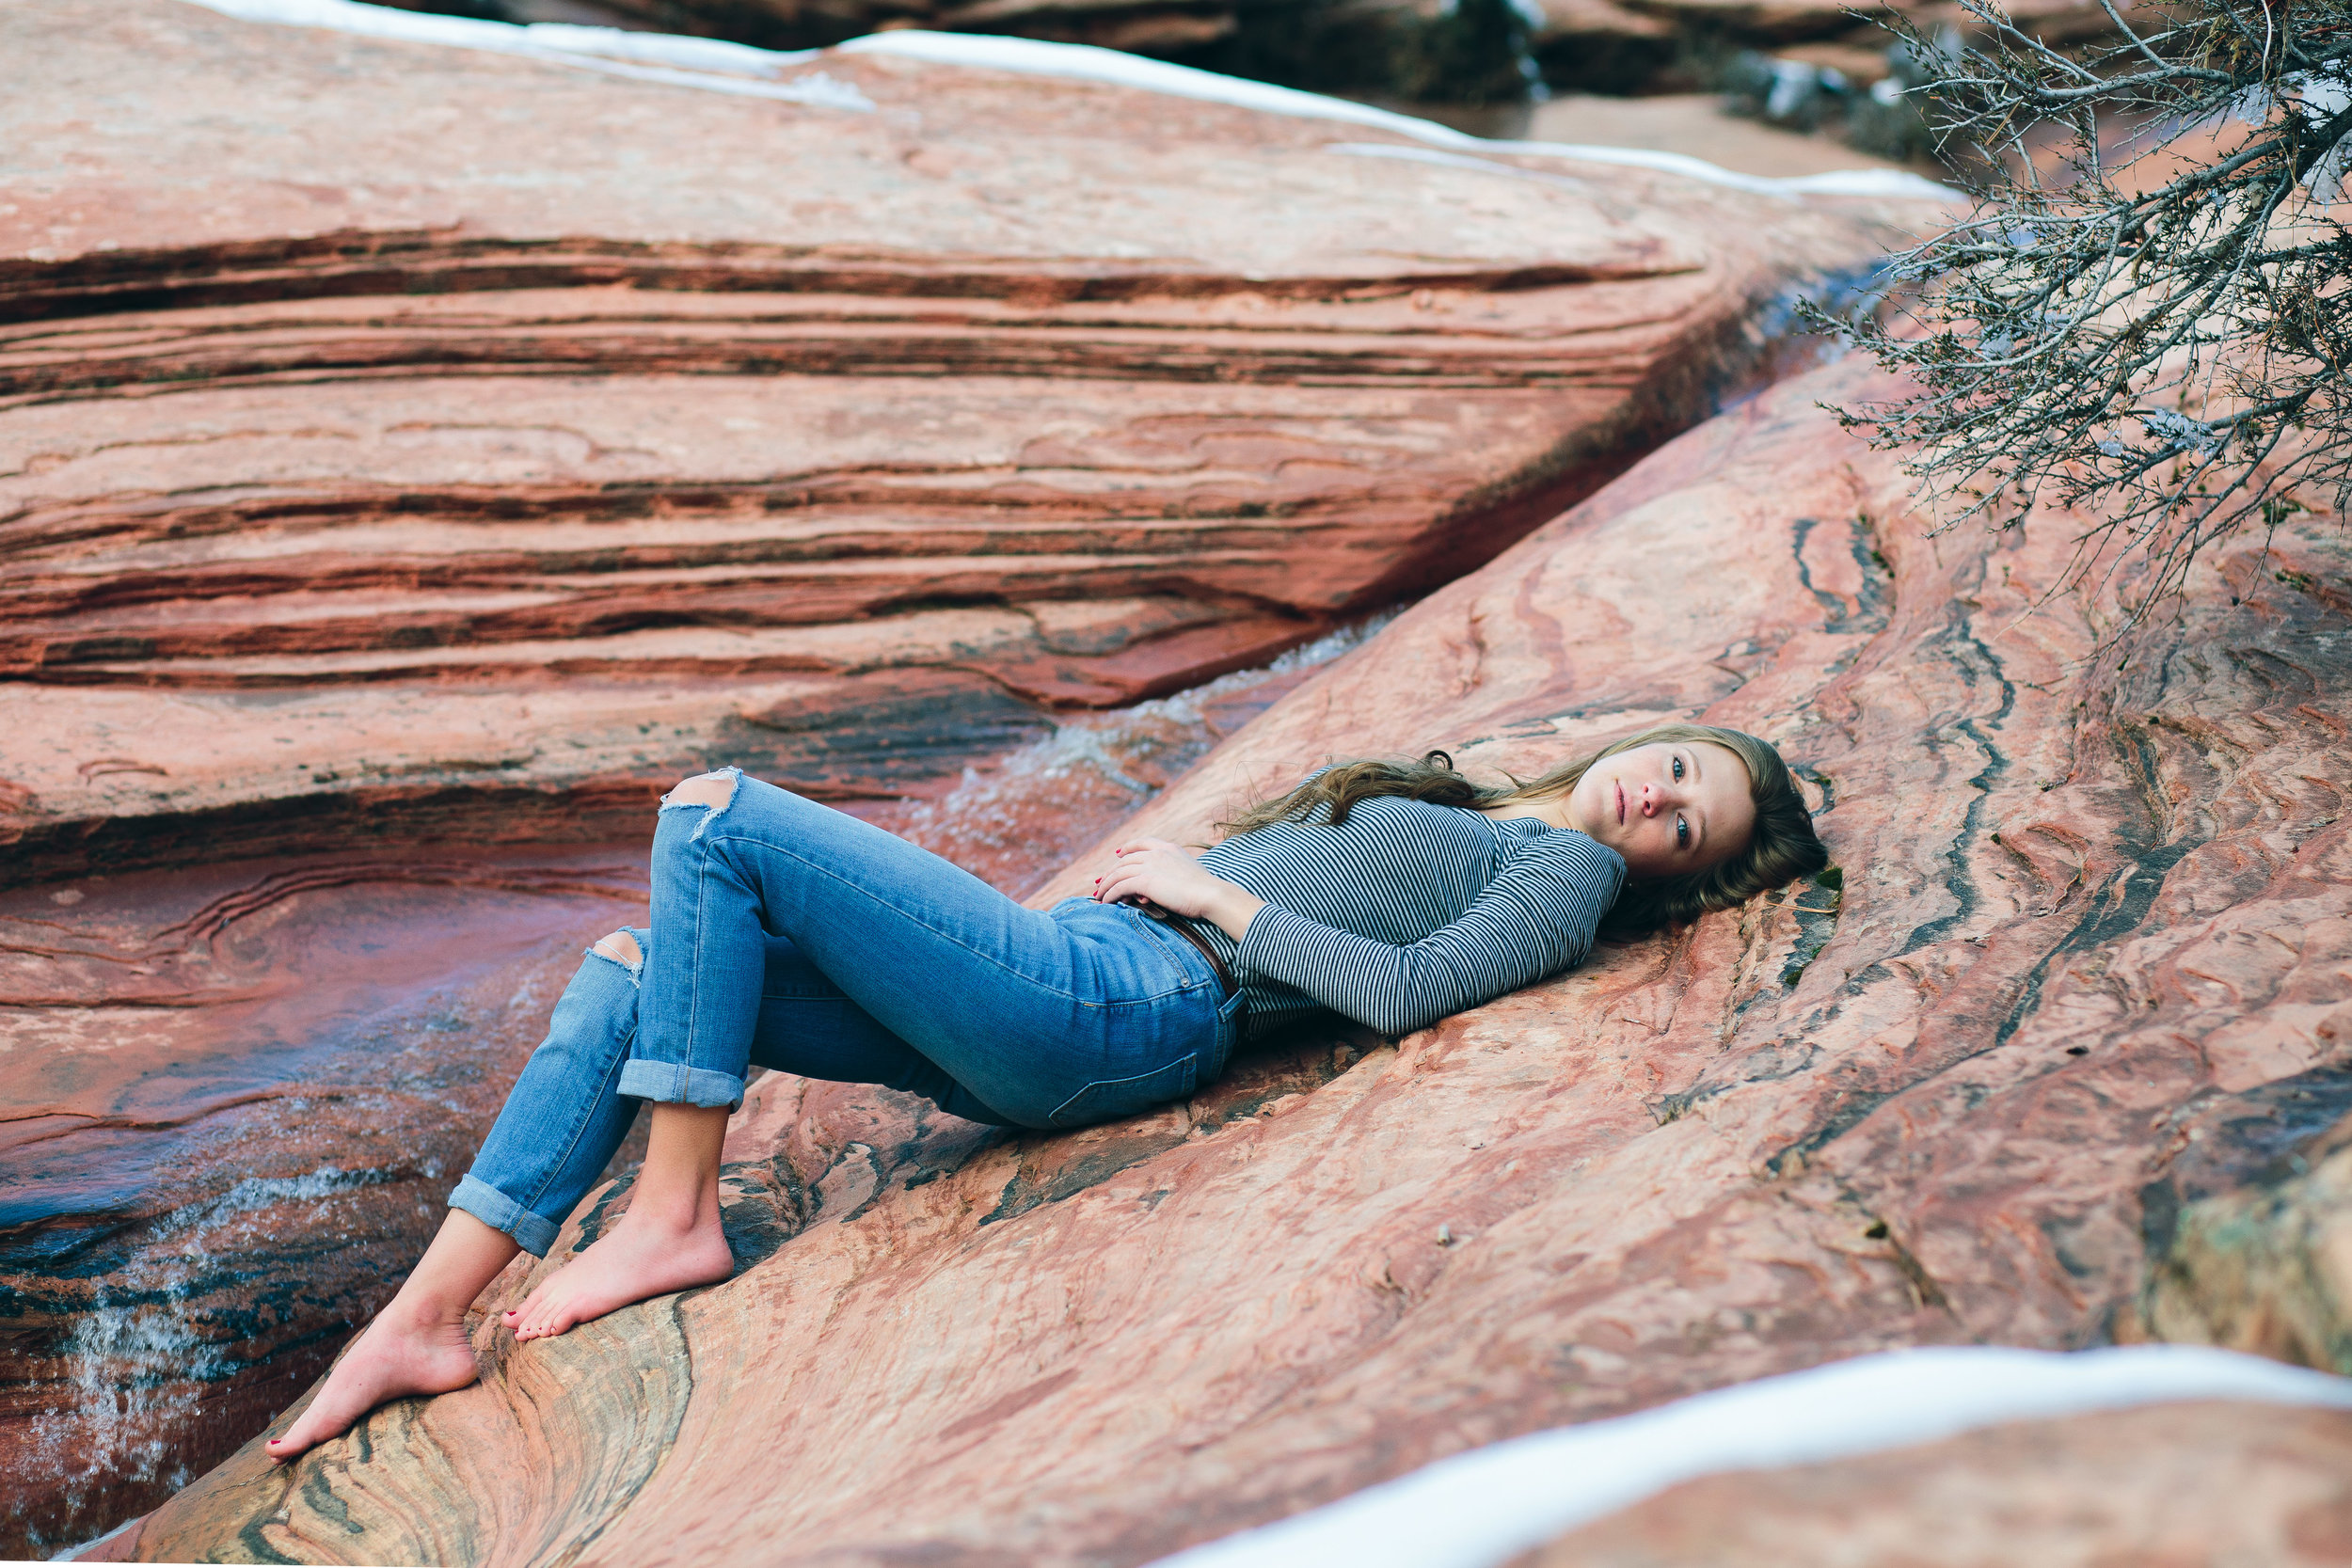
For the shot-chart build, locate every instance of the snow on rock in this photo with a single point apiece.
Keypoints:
(1481, 1509)
(720, 67)
(2201, 1481)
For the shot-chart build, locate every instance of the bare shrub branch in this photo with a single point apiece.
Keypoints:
(2161, 343)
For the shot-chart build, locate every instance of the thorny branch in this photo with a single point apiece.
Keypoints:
(2161, 344)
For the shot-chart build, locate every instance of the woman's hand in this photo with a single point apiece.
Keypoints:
(1153, 871)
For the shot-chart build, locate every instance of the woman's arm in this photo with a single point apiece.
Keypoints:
(1534, 919)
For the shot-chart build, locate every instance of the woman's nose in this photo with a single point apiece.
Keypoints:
(1649, 800)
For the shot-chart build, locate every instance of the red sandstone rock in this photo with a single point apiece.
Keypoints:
(2193, 1483)
(2075, 904)
(1145, 27)
(405, 449)
(429, 471)
(1600, 46)
(242, 1094)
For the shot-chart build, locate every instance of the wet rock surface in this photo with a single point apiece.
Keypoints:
(392, 503)
(1917, 1102)
(2190, 1484)
(236, 1101)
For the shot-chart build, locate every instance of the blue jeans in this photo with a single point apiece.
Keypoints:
(792, 936)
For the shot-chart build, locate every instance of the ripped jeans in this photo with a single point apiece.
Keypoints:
(792, 936)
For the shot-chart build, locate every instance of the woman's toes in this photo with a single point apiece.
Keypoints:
(533, 1306)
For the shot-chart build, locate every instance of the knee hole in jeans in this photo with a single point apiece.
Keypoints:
(704, 789)
(621, 948)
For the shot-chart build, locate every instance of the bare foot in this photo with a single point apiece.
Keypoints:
(638, 1258)
(395, 1356)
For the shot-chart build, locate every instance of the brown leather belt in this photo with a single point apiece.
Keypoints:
(1185, 929)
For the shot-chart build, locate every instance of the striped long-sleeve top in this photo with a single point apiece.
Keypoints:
(1408, 911)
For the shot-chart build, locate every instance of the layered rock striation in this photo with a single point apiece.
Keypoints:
(412, 458)
(2081, 899)
(470, 464)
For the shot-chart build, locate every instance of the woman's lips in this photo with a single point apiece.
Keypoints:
(1620, 786)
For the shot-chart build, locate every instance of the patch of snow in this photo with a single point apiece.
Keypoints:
(736, 68)
(1085, 62)
(1452, 159)
(674, 61)
(690, 54)
(1889, 182)
(1480, 1508)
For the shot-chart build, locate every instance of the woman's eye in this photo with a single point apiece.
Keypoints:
(1682, 832)
(1678, 770)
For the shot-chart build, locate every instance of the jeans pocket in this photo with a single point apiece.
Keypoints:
(1120, 1096)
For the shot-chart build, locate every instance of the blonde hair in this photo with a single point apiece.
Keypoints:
(1782, 847)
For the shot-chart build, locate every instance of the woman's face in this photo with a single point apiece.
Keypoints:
(1669, 807)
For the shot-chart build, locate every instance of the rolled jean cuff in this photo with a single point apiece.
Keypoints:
(534, 1232)
(675, 1083)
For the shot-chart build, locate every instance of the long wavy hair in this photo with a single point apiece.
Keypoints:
(1782, 848)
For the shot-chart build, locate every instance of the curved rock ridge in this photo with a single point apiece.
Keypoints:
(470, 464)
(1915, 1103)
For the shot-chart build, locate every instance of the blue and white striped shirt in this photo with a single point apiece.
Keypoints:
(1408, 911)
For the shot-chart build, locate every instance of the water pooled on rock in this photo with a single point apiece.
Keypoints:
(1015, 821)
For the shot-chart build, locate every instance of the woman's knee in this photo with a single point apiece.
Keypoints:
(622, 948)
(715, 790)
(600, 1002)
